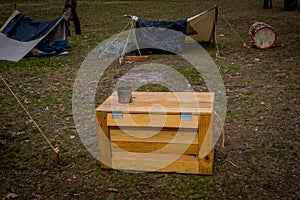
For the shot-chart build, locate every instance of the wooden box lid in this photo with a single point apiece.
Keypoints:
(196, 103)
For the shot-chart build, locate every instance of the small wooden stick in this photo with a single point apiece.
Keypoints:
(136, 58)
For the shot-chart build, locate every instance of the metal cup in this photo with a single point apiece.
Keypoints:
(124, 94)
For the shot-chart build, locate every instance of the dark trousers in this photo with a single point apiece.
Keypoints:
(267, 4)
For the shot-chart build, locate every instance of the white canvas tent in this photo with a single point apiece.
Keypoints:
(14, 50)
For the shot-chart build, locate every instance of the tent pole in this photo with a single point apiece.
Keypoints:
(215, 23)
(14, 5)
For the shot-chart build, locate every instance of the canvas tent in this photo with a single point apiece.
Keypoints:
(202, 27)
(153, 34)
(20, 34)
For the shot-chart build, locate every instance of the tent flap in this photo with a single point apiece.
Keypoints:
(201, 27)
(14, 50)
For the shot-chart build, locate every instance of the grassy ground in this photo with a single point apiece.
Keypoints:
(260, 159)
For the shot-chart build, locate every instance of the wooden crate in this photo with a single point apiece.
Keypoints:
(158, 131)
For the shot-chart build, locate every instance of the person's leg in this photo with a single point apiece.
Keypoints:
(266, 4)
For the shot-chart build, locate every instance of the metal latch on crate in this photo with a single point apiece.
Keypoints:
(117, 114)
(186, 116)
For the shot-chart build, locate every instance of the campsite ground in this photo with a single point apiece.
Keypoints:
(260, 159)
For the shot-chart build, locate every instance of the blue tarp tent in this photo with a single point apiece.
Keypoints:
(155, 35)
(20, 34)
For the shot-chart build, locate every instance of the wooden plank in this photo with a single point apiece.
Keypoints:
(206, 164)
(206, 144)
(167, 110)
(172, 103)
(152, 120)
(135, 139)
(103, 140)
(182, 166)
(156, 162)
(148, 147)
(166, 135)
(136, 58)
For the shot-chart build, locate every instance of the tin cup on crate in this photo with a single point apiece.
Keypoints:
(124, 94)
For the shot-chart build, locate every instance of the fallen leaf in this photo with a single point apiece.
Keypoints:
(11, 196)
(112, 190)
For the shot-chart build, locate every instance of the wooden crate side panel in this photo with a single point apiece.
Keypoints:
(179, 166)
(103, 140)
(205, 144)
(145, 140)
(161, 162)
(152, 120)
(166, 135)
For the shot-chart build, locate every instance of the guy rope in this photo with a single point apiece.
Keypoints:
(55, 149)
